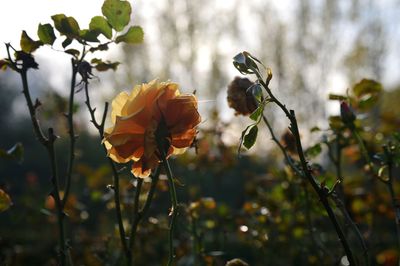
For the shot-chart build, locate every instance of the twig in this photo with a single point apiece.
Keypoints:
(48, 143)
(306, 170)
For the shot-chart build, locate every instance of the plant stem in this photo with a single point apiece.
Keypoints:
(389, 184)
(72, 137)
(320, 192)
(100, 128)
(56, 195)
(323, 196)
(174, 208)
(134, 219)
(48, 143)
(339, 199)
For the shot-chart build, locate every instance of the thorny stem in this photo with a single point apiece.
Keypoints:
(339, 196)
(389, 184)
(139, 214)
(134, 219)
(48, 143)
(340, 205)
(100, 128)
(311, 225)
(283, 150)
(72, 137)
(56, 195)
(174, 208)
(71, 131)
(323, 196)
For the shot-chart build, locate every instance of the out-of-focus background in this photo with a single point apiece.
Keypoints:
(314, 47)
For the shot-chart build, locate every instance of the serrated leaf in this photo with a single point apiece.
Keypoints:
(134, 35)
(101, 25)
(257, 113)
(27, 44)
(313, 151)
(46, 33)
(72, 52)
(89, 35)
(16, 152)
(117, 12)
(251, 137)
(5, 201)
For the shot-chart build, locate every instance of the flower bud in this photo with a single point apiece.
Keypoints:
(347, 113)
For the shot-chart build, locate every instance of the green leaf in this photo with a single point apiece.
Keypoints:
(367, 86)
(337, 97)
(313, 151)
(257, 113)
(315, 129)
(46, 34)
(117, 12)
(89, 35)
(100, 47)
(250, 138)
(72, 52)
(5, 201)
(16, 152)
(104, 66)
(66, 42)
(336, 123)
(134, 35)
(101, 25)
(27, 44)
(66, 25)
(256, 91)
(4, 64)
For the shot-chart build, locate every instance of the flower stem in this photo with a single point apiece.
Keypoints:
(139, 214)
(174, 208)
(323, 196)
(100, 129)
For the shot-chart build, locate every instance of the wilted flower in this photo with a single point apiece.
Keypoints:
(239, 98)
(153, 114)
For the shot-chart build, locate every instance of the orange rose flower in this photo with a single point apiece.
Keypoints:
(153, 113)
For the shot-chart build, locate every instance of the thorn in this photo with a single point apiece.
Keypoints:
(37, 104)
